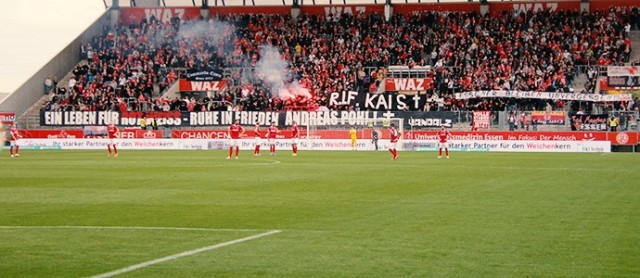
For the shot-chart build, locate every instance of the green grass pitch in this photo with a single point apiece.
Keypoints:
(341, 214)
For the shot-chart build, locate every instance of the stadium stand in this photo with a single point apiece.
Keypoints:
(128, 67)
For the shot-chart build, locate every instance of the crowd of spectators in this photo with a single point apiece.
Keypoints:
(128, 66)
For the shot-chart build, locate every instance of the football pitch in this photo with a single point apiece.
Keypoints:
(321, 214)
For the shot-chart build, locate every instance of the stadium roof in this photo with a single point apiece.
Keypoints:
(178, 3)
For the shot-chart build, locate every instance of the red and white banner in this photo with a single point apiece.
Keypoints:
(445, 7)
(137, 133)
(623, 138)
(623, 71)
(619, 85)
(621, 78)
(337, 10)
(497, 8)
(407, 84)
(7, 118)
(605, 5)
(135, 15)
(551, 117)
(202, 86)
(227, 10)
(481, 119)
(130, 133)
(51, 133)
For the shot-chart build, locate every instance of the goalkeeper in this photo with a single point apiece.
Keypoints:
(353, 133)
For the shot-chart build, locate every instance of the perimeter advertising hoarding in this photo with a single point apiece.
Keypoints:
(318, 144)
(616, 138)
(87, 133)
(7, 118)
(51, 133)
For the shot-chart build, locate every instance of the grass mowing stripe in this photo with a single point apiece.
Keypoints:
(129, 228)
(183, 254)
(474, 215)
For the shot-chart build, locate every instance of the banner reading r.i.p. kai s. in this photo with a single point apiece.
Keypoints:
(393, 101)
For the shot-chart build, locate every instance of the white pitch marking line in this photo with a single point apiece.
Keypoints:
(183, 254)
(270, 162)
(129, 228)
(267, 162)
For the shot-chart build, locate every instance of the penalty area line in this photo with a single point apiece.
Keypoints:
(183, 254)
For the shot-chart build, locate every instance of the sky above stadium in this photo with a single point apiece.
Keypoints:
(34, 31)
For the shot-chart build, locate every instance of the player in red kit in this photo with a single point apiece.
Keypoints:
(235, 131)
(443, 135)
(271, 137)
(14, 141)
(256, 131)
(112, 133)
(294, 139)
(395, 136)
